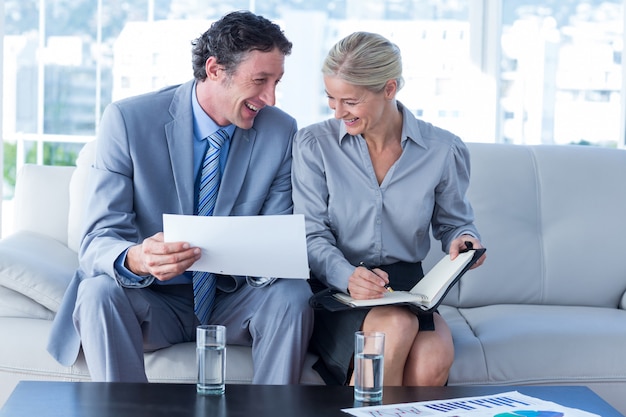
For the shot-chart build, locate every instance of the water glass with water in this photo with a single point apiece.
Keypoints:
(369, 349)
(211, 356)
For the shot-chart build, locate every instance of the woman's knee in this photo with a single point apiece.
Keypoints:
(392, 320)
(431, 358)
(432, 373)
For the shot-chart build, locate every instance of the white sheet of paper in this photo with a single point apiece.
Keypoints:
(259, 246)
(505, 404)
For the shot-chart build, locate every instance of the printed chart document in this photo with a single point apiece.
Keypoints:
(508, 404)
(260, 246)
(427, 293)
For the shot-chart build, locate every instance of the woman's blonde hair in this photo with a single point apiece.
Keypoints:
(365, 59)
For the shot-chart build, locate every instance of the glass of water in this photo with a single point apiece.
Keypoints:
(369, 349)
(211, 356)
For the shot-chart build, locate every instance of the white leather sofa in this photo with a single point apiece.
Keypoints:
(547, 308)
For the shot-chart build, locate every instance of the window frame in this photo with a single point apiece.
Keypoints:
(485, 24)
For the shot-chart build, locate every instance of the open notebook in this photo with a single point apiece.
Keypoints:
(430, 290)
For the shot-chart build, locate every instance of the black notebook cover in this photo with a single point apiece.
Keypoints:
(326, 298)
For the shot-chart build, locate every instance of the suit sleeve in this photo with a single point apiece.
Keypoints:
(109, 228)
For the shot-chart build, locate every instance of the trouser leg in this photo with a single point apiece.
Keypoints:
(117, 325)
(276, 321)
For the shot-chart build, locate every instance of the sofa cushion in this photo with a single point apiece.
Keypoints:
(537, 344)
(15, 304)
(36, 266)
(27, 356)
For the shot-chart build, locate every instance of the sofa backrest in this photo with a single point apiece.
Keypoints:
(553, 219)
(78, 194)
(42, 200)
(49, 199)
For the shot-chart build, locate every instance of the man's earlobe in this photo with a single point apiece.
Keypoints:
(212, 68)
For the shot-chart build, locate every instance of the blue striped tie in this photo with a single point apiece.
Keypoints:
(204, 282)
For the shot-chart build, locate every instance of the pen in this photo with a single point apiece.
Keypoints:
(387, 286)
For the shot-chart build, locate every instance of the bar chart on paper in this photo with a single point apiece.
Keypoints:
(509, 404)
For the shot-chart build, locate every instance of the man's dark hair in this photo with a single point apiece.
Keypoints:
(234, 35)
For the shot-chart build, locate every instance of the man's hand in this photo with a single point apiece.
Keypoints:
(459, 245)
(162, 260)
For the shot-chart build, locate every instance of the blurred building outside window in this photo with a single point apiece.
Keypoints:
(533, 72)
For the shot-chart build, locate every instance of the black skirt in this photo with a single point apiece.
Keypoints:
(333, 334)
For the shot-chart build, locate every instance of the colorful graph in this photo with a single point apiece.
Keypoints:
(530, 413)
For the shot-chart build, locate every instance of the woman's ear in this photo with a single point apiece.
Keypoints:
(391, 88)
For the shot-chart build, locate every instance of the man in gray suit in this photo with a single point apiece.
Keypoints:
(132, 293)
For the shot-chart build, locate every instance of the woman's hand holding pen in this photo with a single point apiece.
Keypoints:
(366, 284)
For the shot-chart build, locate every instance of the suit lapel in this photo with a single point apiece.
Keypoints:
(179, 135)
(237, 165)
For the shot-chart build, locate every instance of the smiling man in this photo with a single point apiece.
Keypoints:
(132, 292)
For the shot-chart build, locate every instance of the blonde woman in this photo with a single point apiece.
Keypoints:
(371, 182)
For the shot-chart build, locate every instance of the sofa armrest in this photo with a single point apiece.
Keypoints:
(622, 303)
(41, 200)
(37, 266)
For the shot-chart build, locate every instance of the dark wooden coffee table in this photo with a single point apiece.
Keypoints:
(95, 399)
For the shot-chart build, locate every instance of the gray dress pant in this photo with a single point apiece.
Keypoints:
(117, 325)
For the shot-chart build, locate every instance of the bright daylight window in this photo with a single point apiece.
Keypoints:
(557, 77)
(562, 71)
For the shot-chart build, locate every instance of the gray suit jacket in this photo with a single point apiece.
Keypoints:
(144, 168)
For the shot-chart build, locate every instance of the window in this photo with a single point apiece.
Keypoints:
(561, 63)
(489, 70)
(66, 60)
